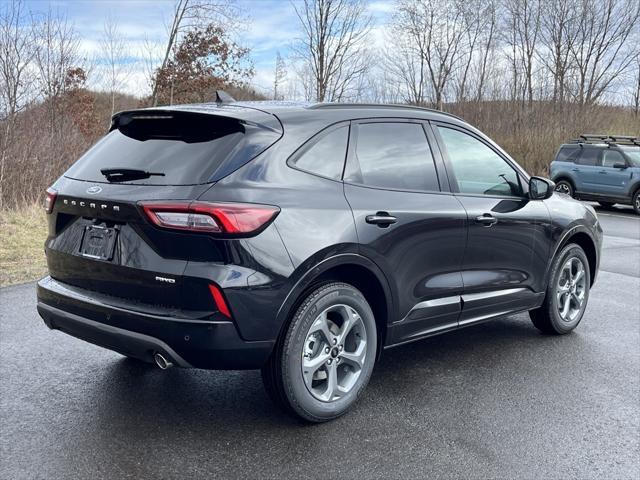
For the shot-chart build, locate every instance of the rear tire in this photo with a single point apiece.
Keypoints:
(636, 202)
(324, 361)
(567, 293)
(564, 186)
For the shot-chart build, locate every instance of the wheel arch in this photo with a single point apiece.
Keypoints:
(581, 237)
(566, 178)
(354, 269)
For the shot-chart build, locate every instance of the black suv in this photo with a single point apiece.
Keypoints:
(304, 240)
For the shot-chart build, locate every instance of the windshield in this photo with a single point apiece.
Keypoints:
(633, 153)
(172, 148)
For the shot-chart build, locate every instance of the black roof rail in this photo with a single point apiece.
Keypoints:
(329, 105)
(611, 140)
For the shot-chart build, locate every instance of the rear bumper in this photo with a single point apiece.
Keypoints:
(213, 344)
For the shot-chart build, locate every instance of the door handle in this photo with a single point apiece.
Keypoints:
(604, 172)
(487, 219)
(382, 219)
(575, 169)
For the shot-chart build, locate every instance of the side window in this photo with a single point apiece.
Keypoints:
(568, 154)
(589, 157)
(395, 155)
(325, 154)
(477, 168)
(611, 157)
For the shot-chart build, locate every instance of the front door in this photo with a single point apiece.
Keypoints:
(613, 180)
(407, 224)
(507, 249)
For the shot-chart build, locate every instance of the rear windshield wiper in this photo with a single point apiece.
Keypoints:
(124, 174)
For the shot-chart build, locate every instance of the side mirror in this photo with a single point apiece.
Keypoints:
(621, 166)
(540, 188)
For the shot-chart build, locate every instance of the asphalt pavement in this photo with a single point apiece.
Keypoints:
(493, 400)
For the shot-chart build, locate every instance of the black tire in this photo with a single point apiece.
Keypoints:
(606, 205)
(547, 318)
(283, 374)
(565, 186)
(635, 202)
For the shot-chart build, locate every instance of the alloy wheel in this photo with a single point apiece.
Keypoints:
(563, 188)
(334, 352)
(571, 289)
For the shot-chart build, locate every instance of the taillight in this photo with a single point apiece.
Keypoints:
(50, 199)
(225, 218)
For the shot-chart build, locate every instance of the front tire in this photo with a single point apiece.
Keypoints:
(567, 293)
(636, 202)
(564, 186)
(325, 360)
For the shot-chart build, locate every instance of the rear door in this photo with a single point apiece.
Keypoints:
(407, 222)
(507, 248)
(588, 168)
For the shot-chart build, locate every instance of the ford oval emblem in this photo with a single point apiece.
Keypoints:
(94, 190)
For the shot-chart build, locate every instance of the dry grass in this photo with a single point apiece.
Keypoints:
(22, 235)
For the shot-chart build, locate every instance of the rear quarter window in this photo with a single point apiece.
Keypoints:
(324, 154)
(567, 154)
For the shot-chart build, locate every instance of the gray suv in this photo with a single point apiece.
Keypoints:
(601, 168)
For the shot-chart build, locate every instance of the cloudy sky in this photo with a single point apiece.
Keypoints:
(272, 26)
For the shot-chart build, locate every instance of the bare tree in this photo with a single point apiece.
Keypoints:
(16, 54)
(487, 45)
(635, 87)
(333, 44)
(522, 36)
(115, 53)
(558, 36)
(193, 14)
(602, 51)
(280, 75)
(477, 16)
(405, 62)
(437, 33)
(56, 55)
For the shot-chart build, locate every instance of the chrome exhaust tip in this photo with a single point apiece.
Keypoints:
(162, 362)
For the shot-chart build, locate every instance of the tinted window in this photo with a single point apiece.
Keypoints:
(589, 156)
(185, 148)
(611, 157)
(325, 155)
(633, 153)
(395, 155)
(477, 168)
(568, 154)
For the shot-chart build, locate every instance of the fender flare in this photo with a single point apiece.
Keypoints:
(324, 265)
(563, 240)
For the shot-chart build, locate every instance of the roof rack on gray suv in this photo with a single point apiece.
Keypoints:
(600, 168)
(592, 138)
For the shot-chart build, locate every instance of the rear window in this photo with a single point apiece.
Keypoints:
(176, 148)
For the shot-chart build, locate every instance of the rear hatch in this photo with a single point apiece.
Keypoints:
(101, 239)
